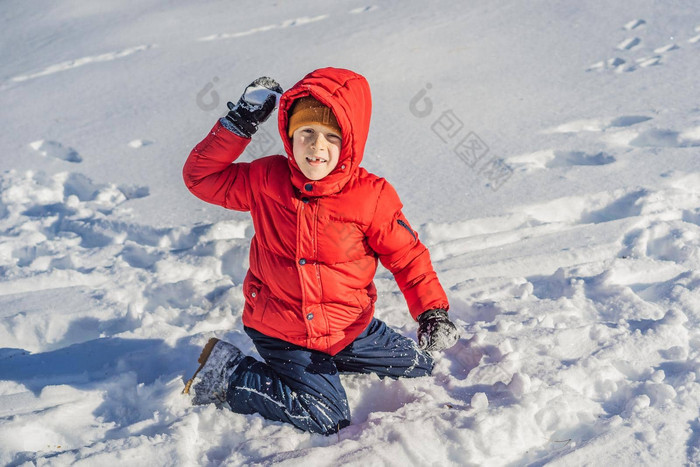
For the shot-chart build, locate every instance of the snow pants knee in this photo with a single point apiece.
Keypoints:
(302, 386)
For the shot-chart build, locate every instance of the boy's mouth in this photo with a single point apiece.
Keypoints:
(315, 160)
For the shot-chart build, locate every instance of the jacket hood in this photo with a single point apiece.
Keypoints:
(347, 94)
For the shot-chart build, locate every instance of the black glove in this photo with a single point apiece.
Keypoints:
(255, 106)
(436, 331)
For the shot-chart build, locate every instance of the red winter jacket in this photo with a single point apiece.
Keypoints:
(314, 253)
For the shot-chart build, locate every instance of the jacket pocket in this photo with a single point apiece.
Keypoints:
(363, 299)
(258, 300)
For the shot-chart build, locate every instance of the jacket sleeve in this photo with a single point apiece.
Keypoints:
(212, 177)
(402, 253)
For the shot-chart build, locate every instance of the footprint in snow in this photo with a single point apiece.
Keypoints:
(624, 64)
(618, 133)
(615, 63)
(139, 143)
(82, 187)
(134, 191)
(695, 39)
(666, 48)
(634, 24)
(646, 62)
(86, 190)
(578, 158)
(363, 9)
(551, 159)
(139, 256)
(56, 150)
(629, 44)
(599, 124)
(663, 138)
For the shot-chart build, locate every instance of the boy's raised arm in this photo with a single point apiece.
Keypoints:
(208, 172)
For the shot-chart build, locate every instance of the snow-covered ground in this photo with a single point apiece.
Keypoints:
(547, 153)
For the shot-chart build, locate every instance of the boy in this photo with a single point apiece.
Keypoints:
(321, 223)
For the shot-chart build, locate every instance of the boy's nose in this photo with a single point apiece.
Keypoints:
(319, 142)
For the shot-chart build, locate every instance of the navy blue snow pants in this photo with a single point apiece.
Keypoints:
(302, 386)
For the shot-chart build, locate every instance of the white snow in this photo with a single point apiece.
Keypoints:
(546, 152)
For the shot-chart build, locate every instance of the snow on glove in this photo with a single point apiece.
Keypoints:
(256, 104)
(436, 331)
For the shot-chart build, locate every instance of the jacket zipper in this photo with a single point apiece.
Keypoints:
(405, 226)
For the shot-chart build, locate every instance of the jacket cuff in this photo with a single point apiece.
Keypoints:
(228, 124)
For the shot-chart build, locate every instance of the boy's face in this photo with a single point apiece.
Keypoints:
(316, 150)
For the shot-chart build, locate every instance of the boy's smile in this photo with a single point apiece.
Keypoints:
(316, 150)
